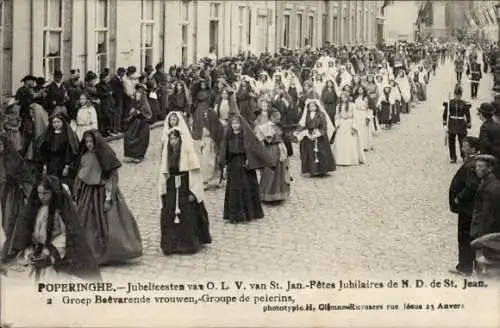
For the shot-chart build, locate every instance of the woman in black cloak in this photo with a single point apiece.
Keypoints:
(15, 187)
(58, 148)
(109, 225)
(48, 236)
(201, 100)
(243, 154)
(136, 139)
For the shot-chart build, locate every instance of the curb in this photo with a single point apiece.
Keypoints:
(120, 135)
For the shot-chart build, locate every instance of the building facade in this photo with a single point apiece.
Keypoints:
(41, 36)
(315, 22)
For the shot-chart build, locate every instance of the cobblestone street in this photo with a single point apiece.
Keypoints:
(389, 215)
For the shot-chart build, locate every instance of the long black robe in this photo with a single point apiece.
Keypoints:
(243, 154)
(191, 231)
(136, 140)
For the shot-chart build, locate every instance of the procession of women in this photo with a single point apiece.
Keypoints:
(229, 126)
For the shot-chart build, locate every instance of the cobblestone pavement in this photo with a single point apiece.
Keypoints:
(390, 215)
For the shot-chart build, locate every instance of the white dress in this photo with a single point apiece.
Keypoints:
(86, 119)
(347, 148)
(361, 115)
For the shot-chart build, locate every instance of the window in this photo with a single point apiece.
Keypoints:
(146, 45)
(147, 32)
(214, 10)
(241, 14)
(101, 35)
(286, 31)
(184, 14)
(184, 10)
(368, 27)
(52, 37)
(345, 30)
(335, 30)
(147, 10)
(249, 26)
(299, 30)
(161, 35)
(185, 42)
(359, 27)
(324, 29)
(310, 31)
(213, 42)
(241, 21)
(214, 36)
(353, 30)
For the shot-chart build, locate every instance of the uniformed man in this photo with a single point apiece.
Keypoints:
(475, 75)
(462, 194)
(456, 121)
(459, 67)
(435, 59)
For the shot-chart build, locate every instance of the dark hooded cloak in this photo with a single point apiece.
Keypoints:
(255, 152)
(108, 161)
(78, 260)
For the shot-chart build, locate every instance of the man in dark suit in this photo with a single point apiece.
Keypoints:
(118, 89)
(56, 93)
(462, 194)
(489, 133)
(107, 104)
(456, 121)
(486, 214)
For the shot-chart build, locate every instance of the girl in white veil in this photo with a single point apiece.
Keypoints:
(175, 119)
(264, 85)
(314, 135)
(318, 83)
(188, 158)
(184, 222)
(296, 82)
(281, 79)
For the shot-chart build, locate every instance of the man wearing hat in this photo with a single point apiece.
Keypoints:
(462, 194)
(456, 121)
(489, 133)
(56, 92)
(74, 87)
(486, 214)
(25, 95)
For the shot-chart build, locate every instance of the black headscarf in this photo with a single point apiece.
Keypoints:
(16, 170)
(78, 260)
(256, 154)
(106, 156)
(48, 136)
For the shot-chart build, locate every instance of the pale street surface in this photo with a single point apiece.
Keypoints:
(388, 216)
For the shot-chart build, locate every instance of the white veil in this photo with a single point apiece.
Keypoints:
(189, 161)
(330, 129)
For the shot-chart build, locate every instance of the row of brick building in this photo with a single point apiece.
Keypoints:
(39, 36)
